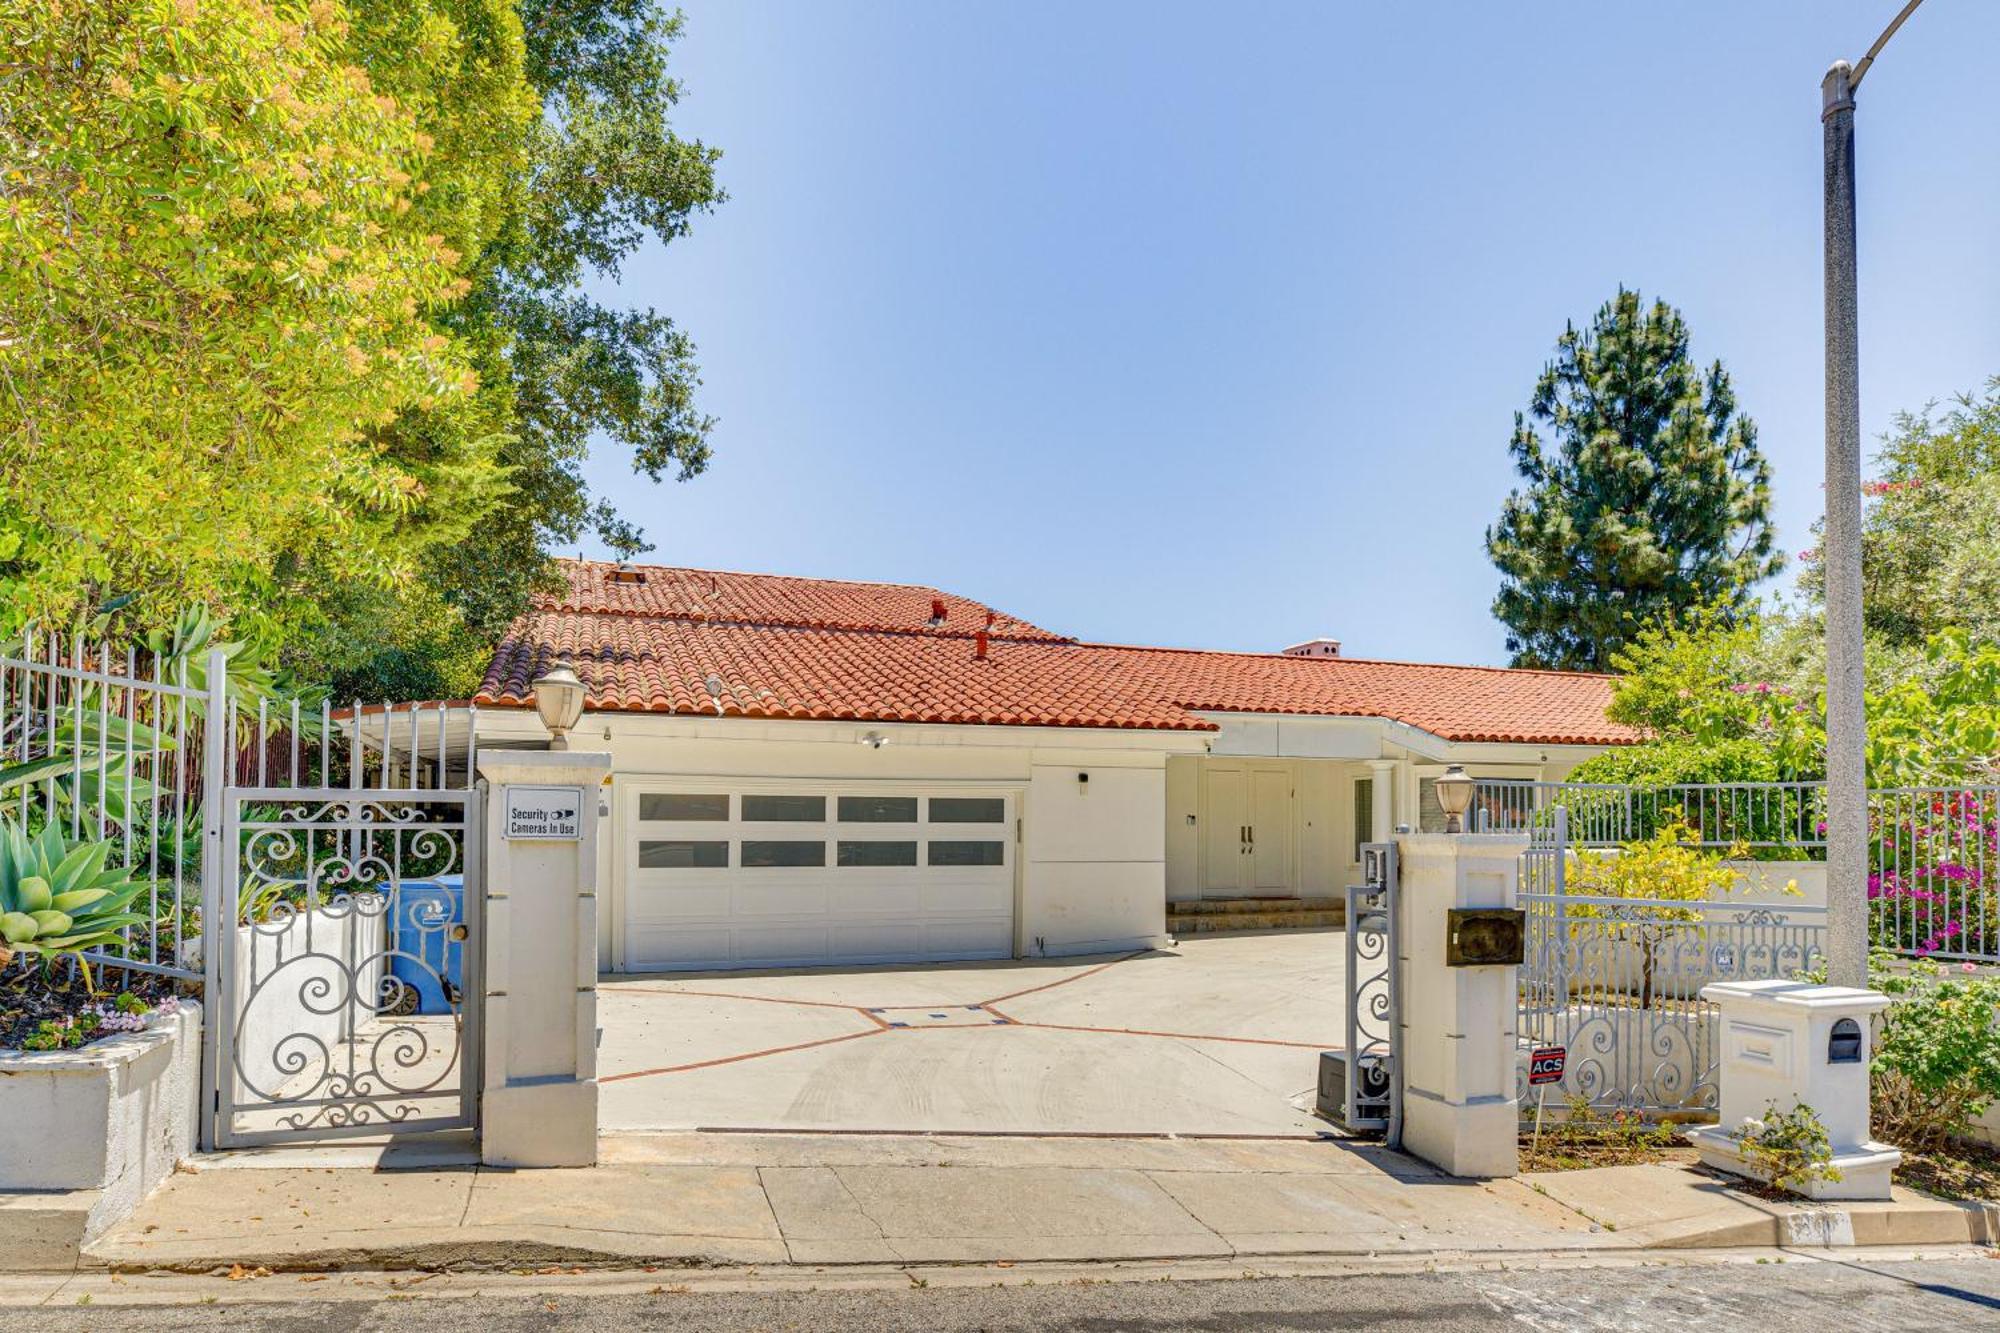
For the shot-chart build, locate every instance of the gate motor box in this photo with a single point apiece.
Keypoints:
(1372, 1090)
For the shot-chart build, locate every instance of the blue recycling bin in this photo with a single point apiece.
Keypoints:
(422, 950)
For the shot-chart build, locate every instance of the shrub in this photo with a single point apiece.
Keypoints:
(1937, 1052)
(1788, 1148)
(1659, 872)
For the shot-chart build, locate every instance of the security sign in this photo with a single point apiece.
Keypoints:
(1545, 1065)
(544, 812)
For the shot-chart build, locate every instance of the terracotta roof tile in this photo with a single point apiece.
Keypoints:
(775, 599)
(660, 665)
(1458, 703)
(814, 648)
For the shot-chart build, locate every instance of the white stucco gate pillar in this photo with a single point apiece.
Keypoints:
(539, 1081)
(1458, 1020)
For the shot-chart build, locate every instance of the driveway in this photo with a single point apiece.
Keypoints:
(1218, 1036)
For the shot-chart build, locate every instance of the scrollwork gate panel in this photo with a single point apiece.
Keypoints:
(343, 990)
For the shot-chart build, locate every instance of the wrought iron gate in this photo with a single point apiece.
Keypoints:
(341, 947)
(1374, 993)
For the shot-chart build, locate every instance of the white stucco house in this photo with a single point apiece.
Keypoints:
(810, 771)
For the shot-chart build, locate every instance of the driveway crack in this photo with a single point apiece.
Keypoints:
(1227, 1243)
(901, 1256)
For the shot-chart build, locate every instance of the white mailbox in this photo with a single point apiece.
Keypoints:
(1789, 1042)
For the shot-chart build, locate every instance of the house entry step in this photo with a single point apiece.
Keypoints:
(1207, 915)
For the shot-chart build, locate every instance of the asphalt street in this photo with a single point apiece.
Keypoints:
(1778, 1296)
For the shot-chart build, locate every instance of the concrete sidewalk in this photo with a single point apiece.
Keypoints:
(722, 1199)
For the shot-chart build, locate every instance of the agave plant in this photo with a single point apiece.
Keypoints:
(58, 897)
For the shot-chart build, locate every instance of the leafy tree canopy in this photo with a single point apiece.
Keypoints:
(1930, 539)
(293, 320)
(604, 174)
(223, 274)
(1645, 492)
(1693, 682)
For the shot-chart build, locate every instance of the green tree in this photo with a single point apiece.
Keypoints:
(220, 285)
(604, 174)
(1647, 493)
(1930, 540)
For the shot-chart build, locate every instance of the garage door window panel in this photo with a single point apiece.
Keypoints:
(967, 852)
(760, 808)
(878, 809)
(674, 807)
(877, 853)
(683, 854)
(761, 853)
(968, 810)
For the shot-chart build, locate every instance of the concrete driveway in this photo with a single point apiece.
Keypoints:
(1218, 1036)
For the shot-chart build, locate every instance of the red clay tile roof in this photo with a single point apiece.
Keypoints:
(637, 663)
(1458, 703)
(775, 599)
(814, 648)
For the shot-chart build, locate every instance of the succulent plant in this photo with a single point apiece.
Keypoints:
(59, 897)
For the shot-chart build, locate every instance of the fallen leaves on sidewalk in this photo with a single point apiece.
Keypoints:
(238, 1273)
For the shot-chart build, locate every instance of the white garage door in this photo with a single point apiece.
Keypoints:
(716, 877)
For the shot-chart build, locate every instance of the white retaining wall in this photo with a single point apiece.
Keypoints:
(110, 1119)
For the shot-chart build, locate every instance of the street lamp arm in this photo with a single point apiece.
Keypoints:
(1861, 65)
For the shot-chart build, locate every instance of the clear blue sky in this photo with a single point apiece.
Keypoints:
(1205, 324)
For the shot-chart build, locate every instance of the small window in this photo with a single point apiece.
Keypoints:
(968, 853)
(683, 855)
(1364, 814)
(1430, 815)
(675, 805)
(784, 809)
(878, 810)
(968, 810)
(770, 853)
(878, 853)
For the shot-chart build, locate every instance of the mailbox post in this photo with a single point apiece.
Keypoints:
(1459, 945)
(1790, 1043)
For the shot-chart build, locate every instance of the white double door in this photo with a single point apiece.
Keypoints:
(1247, 830)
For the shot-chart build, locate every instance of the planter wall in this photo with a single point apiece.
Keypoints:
(96, 1129)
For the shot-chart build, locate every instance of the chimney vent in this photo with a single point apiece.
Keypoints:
(1314, 648)
(979, 646)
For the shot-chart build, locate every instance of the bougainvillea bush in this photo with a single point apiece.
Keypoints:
(1932, 855)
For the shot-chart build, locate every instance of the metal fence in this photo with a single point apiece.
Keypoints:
(1762, 816)
(1934, 852)
(111, 751)
(127, 754)
(1618, 979)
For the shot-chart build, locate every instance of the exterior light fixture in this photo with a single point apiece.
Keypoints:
(1454, 793)
(559, 702)
(874, 740)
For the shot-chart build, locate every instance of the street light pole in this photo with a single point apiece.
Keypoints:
(1840, 548)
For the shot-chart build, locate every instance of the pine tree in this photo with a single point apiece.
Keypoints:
(1646, 496)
